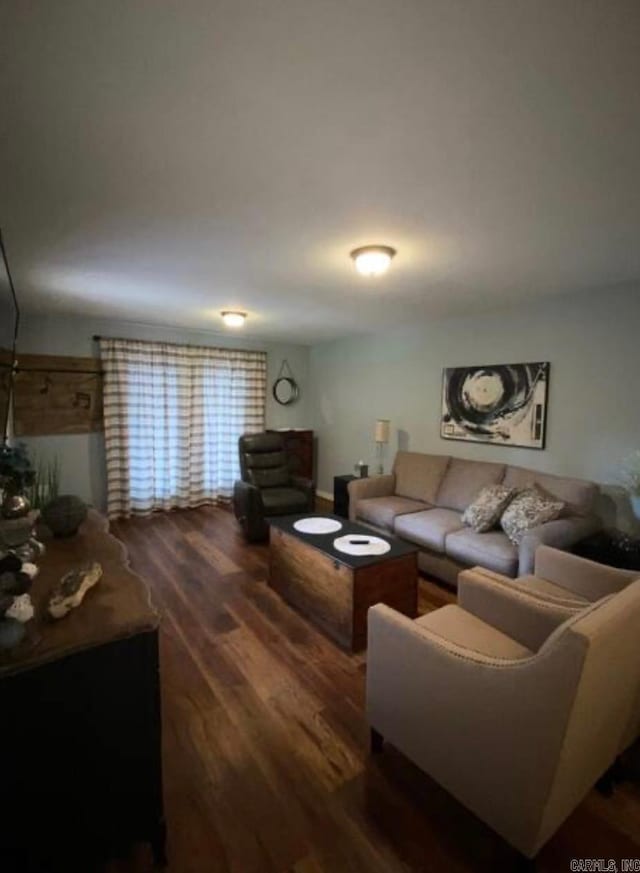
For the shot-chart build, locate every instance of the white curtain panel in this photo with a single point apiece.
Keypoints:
(172, 418)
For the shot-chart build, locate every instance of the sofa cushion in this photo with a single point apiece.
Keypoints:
(381, 511)
(428, 528)
(467, 630)
(485, 511)
(281, 501)
(528, 509)
(492, 549)
(418, 476)
(464, 480)
(578, 494)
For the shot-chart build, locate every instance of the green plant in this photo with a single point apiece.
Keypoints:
(16, 471)
(631, 473)
(46, 484)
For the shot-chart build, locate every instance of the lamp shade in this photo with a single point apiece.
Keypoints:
(382, 430)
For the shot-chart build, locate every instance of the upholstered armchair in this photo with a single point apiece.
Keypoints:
(267, 486)
(514, 704)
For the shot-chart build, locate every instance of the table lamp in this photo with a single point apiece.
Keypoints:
(381, 438)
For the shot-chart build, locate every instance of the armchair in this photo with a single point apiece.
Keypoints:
(267, 486)
(506, 699)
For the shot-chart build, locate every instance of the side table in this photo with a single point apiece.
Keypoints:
(341, 495)
(612, 547)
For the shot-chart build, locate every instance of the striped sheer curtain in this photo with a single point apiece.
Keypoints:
(172, 418)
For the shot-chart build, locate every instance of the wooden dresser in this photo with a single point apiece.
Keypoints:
(298, 444)
(80, 728)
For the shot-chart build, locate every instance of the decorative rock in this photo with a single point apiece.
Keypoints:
(72, 588)
(64, 515)
(12, 632)
(21, 610)
(31, 570)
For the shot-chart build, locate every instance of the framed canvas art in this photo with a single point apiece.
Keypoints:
(501, 404)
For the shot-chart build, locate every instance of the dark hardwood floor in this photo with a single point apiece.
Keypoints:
(266, 763)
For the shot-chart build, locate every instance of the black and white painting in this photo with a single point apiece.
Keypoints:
(502, 404)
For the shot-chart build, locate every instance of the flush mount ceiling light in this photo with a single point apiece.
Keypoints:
(373, 260)
(234, 319)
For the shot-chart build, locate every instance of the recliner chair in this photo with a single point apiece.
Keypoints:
(268, 487)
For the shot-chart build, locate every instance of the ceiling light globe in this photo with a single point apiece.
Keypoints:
(372, 260)
(234, 319)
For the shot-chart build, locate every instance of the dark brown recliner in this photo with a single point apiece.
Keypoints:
(268, 486)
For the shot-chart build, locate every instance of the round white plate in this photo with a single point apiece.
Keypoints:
(317, 525)
(375, 545)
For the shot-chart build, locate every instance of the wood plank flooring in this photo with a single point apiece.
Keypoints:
(266, 763)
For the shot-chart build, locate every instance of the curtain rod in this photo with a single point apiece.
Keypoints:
(97, 337)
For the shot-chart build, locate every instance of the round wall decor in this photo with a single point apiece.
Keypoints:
(285, 389)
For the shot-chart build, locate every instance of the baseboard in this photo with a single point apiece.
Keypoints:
(325, 495)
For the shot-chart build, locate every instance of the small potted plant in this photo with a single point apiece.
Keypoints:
(16, 475)
(631, 480)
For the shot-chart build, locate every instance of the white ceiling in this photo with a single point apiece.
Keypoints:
(161, 161)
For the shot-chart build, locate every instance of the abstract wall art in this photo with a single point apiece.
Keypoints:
(501, 404)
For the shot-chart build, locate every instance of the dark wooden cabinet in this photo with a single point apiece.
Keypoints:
(341, 495)
(298, 444)
(80, 728)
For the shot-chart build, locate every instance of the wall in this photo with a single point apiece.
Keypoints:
(81, 456)
(592, 342)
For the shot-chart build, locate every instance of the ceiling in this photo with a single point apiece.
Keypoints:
(161, 161)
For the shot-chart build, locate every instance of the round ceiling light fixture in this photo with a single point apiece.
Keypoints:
(373, 260)
(233, 319)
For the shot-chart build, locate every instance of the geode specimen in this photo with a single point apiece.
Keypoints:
(70, 591)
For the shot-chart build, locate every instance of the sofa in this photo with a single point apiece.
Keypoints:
(423, 498)
(506, 699)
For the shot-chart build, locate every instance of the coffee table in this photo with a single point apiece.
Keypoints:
(335, 590)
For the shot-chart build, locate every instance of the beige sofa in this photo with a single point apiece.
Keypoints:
(506, 699)
(424, 497)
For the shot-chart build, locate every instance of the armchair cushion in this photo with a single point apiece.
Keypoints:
(281, 501)
(381, 511)
(468, 631)
(549, 590)
(524, 617)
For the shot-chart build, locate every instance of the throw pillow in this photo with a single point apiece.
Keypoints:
(485, 511)
(528, 509)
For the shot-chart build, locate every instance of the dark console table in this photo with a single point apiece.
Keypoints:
(612, 547)
(80, 727)
(341, 495)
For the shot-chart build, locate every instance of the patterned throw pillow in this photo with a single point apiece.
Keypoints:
(528, 509)
(485, 511)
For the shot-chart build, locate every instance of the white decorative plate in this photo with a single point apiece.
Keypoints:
(374, 545)
(317, 525)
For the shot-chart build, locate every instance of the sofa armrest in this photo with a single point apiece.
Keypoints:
(373, 486)
(579, 575)
(512, 610)
(561, 534)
